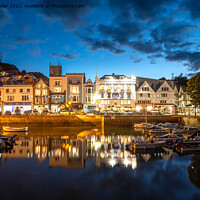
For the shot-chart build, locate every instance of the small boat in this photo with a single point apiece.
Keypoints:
(158, 130)
(15, 129)
(151, 144)
(142, 125)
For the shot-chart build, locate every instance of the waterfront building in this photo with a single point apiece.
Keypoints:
(155, 94)
(115, 92)
(89, 99)
(17, 97)
(75, 89)
(66, 89)
(57, 88)
(41, 95)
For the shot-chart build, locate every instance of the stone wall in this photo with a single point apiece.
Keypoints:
(192, 121)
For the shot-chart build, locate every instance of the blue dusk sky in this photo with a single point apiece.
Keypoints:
(153, 38)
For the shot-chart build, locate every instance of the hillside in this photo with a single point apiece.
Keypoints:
(7, 67)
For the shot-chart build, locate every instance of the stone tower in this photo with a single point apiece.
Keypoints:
(55, 70)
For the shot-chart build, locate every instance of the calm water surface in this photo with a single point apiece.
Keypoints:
(64, 163)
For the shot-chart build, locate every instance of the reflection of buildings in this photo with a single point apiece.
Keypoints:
(72, 153)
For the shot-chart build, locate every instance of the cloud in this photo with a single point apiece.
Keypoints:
(24, 40)
(35, 52)
(146, 46)
(122, 32)
(155, 56)
(63, 56)
(105, 44)
(9, 46)
(136, 59)
(71, 18)
(192, 59)
(140, 9)
(193, 7)
(24, 28)
(4, 17)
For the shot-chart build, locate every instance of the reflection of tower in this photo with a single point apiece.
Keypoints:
(55, 70)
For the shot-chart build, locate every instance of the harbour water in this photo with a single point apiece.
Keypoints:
(69, 163)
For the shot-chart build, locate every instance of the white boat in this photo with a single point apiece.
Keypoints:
(15, 129)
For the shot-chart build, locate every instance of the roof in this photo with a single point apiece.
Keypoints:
(113, 76)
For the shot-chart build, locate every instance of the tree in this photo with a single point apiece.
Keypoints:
(193, 90)
(181, 80)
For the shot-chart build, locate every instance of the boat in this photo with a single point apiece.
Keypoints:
(158, 130)
(150, 144)
(142, 125)
(2, 144)
(169, 138)
(15, 129)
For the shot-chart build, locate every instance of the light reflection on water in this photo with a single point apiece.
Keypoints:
(85, 163)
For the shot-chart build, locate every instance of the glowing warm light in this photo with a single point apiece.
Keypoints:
(126, 162)
(112, 162)
(69, 102)
(138, 108)
(102, 155)
(134, 163)
(64, 137)
(97, 145)
(149, 108)
(66, 146)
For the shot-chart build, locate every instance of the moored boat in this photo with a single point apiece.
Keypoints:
(151, 144)
(15, 129)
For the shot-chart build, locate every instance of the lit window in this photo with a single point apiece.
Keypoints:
(57, 89)
(75, 89)
(37, 92)
(44, 92)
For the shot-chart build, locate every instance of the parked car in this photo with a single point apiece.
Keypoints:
(35, 112)
(17, 112)
(28, 112)
(7, 112)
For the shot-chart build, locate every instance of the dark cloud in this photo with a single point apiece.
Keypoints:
(153, 61)
(122, 32)
(63, 56)
(71, 18)
(141, 9)
(97, 44)
(24, 40)
(156, 56)
(173, 34)
(147, 46)
(193, 7)
(136, 59)
(4, 17)
(191, 59)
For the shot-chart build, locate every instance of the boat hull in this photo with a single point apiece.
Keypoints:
(15, 129)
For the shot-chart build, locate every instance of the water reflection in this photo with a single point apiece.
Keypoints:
(72, 152)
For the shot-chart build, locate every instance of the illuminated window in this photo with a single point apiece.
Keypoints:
(44, 100)
(75, 89)
(28, 90)
(122, 102)
(121, 87)
(57, 89)
(43, 85)
(129, 87)
(37, 92)
(102, 87)
(44, 92)
(109, 87)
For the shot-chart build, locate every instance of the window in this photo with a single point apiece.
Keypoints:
(102, 95)
(165, 88)
(75, 98)
(145, 88)
(163, 101)
(25, 97)
(122, 102)
(57, 82)
(7, 90)
(21, 90)
(89, 90)
(148, 95)
(57, 89)
(141, 95)
(102, 87)
(115, 95)
(128, 87)
(37, 92)
(129, 95)
(121, 87)
(43, 85)
(39, 86)
(163, 95)
(10, 98)
(28, 90)
(109, 87)
(109, 95)
(75, 89)
(37, 100)
(44, 100)
(14, 90)
(89, 99)
(44, 92)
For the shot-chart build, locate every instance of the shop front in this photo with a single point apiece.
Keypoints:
(17, 106)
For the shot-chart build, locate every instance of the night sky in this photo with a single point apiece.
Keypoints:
(156, 37)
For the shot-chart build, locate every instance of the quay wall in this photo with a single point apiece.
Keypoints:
(192, 121)
(83, 120)
(128, 121)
